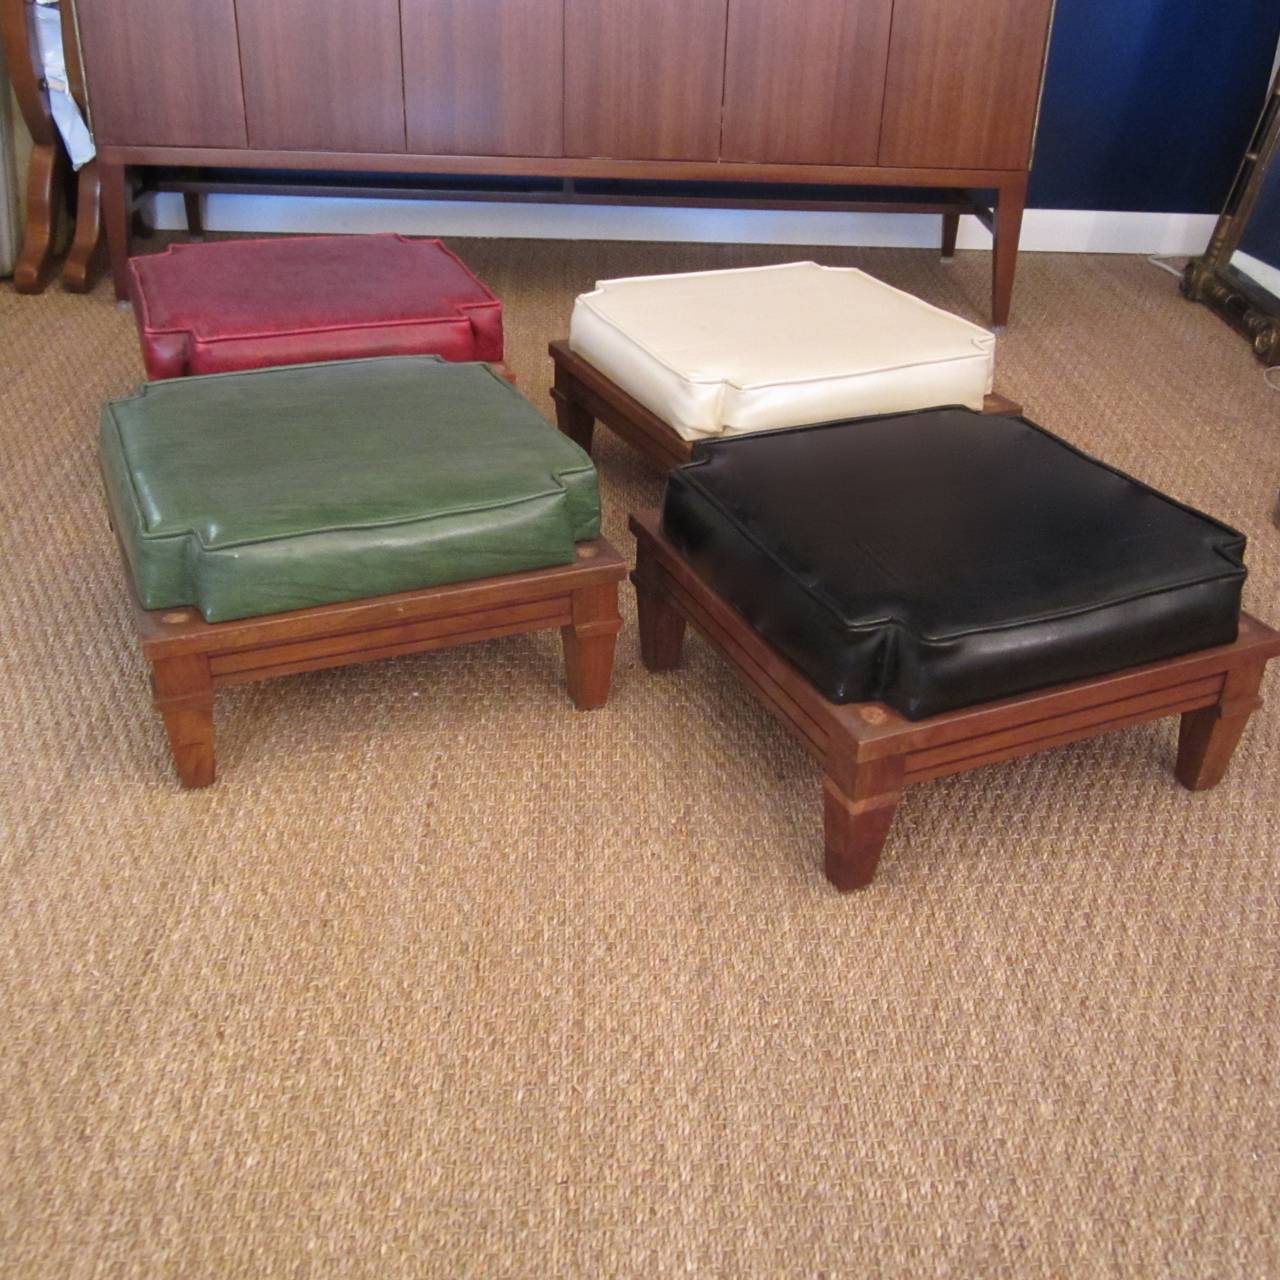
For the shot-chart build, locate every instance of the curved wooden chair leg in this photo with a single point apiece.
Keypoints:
(84, 262)
(87, 256)
(46, 179)
(47, 168)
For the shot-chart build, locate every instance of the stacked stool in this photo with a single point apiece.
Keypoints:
(911, 578)
(912, 593)
(288, 496)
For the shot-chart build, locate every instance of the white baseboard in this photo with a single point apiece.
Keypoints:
(1048, 230)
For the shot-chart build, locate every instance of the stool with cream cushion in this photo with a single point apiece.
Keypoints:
(669, 360)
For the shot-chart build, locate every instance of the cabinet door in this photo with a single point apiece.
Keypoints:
(484, 77)
(322, 75)
(804, 81)
(963, 83)
(644, 79)
(163, 73)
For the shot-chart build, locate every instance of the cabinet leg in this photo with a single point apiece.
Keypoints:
(116, 212)
(1011, 200)
(80, 271)
(573, 420)
(1207, 738)
(184, 697)
(859, 801)
(193, 203)
(589, 642)
(46, 178)
(950, 230)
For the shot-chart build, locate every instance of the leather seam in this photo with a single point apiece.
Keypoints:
(1238, 570)
(122, 447)
(396, 523)
(490, 301)
(586, 301)
(326, 328)
(169, 385)
(712, 380)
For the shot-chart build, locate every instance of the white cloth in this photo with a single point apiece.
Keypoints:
(66, 115)
(720, 352)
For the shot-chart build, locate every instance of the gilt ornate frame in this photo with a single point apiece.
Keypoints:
(1212, 279)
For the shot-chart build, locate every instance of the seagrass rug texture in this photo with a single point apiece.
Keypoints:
(445, 979)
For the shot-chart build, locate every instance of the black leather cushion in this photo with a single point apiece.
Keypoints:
(933, 560)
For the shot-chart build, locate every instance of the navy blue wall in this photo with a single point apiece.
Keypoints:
(1149, 104)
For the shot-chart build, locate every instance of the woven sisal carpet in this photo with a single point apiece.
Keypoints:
(444, 979)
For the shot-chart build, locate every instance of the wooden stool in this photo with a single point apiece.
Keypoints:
(191, 658)
(869, 753)
(584, 396)
(672, 360)
(307, 516)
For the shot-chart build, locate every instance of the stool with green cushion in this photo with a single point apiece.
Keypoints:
(288, 519)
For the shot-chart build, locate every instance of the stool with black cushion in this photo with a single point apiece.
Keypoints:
(289, 519)
(917, 595)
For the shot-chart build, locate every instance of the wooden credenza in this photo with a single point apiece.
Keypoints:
(917, 94)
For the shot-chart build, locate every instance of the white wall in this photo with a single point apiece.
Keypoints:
(1070, 231)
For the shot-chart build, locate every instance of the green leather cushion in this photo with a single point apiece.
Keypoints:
(251, 493)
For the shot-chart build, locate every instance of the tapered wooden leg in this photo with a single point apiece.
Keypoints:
(184, 697)
(572, 419)
(589, 643)
(1010, 203)
(662, 628)
(46, 178)
(950, 230)
(1207, 738)
(193, 203)
(859, 801)
(116, 212)
(80, 271)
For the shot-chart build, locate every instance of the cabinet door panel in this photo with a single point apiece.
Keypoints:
(805, 80)
(644, 79)
(484, 77)
(963, 83)
(322, 75)
(163, 73)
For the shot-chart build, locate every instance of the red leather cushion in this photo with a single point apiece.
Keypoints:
(243, 304)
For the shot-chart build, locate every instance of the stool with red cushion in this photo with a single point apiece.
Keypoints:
(246, 304)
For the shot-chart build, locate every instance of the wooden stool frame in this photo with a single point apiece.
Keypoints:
(583, 396)
(191, 658)
(869, 753)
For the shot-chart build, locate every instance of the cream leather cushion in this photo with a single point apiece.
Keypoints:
(721, 352)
